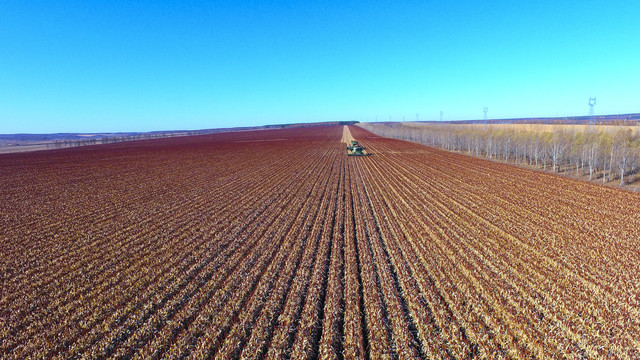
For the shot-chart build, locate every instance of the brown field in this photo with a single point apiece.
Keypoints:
(25, 148)
(275, 244)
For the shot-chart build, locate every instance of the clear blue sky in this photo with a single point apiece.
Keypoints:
(92, 66)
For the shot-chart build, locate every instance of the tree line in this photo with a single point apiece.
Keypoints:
(66, 143)
(601, 152)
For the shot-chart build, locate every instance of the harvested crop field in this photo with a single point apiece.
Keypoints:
(274, 244)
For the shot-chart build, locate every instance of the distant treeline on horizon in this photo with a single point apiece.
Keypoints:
(616, 119)
(157, 133)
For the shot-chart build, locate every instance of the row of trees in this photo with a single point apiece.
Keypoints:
(606, 152)
(61, 144)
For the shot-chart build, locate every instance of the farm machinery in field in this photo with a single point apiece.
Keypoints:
(355, 149)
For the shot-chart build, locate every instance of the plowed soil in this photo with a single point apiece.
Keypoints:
(275, 244)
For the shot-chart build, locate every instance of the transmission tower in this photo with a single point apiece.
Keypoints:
(485, 112)
(441, 113)
(592, 103)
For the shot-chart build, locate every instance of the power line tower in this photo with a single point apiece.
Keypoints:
(485, 112)
(592, 103)
(441, 113)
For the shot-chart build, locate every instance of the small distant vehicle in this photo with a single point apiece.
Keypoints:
(355, 149)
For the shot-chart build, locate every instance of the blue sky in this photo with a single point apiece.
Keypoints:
(98, 66)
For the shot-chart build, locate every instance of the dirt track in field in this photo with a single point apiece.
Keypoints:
(346, 135)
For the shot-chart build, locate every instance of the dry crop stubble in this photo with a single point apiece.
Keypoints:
(134, 250)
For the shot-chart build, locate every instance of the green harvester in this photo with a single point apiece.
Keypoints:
(354, 149)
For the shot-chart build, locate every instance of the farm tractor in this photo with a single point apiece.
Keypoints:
(354, 149)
